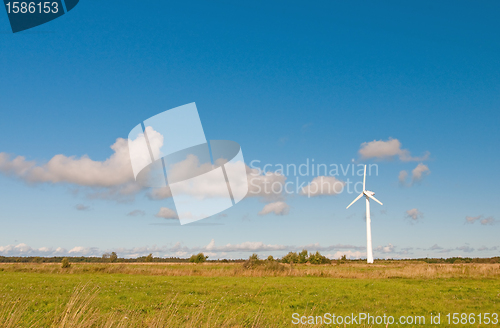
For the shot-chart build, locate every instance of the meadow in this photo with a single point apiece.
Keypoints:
(232, 295)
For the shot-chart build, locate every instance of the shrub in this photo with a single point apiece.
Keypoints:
(65, 263)
(317, 258)
(270, 258)
(252, 262)
(199, 258)
(290, 257)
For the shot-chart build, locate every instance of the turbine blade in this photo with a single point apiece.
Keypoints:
(364, 179)
(375, 199)
(354, 201)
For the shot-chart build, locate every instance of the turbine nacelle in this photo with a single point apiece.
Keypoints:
(368, 193)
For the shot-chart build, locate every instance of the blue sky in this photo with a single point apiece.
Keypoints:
(287, 80)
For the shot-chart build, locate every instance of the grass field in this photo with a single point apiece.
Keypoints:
(228, 295)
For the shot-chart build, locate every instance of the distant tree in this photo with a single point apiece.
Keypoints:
(65, 263)
(342, 260)
(198, 258)
(149, 258)
(113, 257)
(37, 259)
(303, 256)
(290, 258)
(270, 258)
(106, 256)
(254, 257)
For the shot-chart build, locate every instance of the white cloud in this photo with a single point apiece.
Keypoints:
(488, 221)
(166, 213)
(84, 251)
(385, 249)
(270, 185)
(278, 208)
(419, 172)
(114, 174)
(384, 150)
(472, 219)
(484, 221)
(414, 214)
(402, 177)
(323, 185)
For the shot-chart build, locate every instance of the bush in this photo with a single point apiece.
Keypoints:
(270, 264)
(317, 258)
(290, 257)
(65, 263)
(199, 258)
(252, 262)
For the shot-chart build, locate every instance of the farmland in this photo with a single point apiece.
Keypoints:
(230, 295)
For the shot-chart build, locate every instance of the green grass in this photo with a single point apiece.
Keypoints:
(241, 301)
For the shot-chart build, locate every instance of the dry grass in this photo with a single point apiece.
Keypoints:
(355, 270)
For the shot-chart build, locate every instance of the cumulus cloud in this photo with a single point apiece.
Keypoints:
(83, 171)
(414, 214)
(278, 208)
(417, 174)
(113, 174)
(484, 221)
(323, 185)
(166, 213)
(136, 213)
(268, 186)
(81, 207)
(177, 250)
(385, 249)
(389, 149)
(402, 177)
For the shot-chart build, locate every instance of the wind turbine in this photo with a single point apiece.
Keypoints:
(368, 194)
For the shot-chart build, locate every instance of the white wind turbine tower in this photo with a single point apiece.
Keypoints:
(368, 194)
